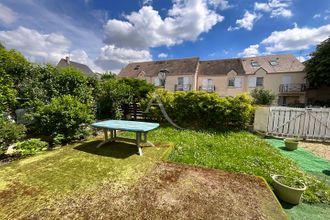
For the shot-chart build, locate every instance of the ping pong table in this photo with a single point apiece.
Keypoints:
(133, 126)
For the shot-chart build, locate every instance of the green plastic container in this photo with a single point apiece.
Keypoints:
(286, 193)
(291, 144)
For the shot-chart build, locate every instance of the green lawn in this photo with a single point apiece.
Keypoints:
(37, 182)
(237, 152)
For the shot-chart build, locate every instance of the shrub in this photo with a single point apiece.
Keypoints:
(31, 146)
(140, 88)
(63, 116)
(113, 95)
(202, 109)
(7, 92)
(10, 132)
(262, 96)
(167, 100)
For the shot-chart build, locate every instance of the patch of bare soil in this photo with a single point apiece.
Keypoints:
(175, 191)
(320, 149)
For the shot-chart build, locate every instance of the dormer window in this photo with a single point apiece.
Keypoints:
(273, 62)
(255, 64)
(137, 67)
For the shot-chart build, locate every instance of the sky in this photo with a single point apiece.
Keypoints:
(108, 34)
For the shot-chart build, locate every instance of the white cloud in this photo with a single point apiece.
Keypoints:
(130, 39)
(221, 4)
(113, 58)
(295, 38)
(7, 16)
(251, 51)
(301, 58)
(147, 2)
(186, 20)
(162, 55)
(81, 56)
(276, 8)
(36, 46)
(246, 22)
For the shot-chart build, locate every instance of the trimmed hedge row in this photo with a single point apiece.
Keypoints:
(201, 109)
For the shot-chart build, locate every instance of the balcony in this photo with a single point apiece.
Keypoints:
(292, 88)
(207, 88)
(182, 87)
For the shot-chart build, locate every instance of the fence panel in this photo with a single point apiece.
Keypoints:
(306, 123)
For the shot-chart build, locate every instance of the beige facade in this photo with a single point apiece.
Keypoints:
(282, 74)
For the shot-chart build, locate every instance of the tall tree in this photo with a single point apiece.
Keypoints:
(318, 67)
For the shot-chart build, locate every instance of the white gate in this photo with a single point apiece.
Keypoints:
(306, 123)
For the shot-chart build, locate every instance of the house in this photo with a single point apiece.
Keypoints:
(180, 73)
(82, 67)
(282, 74)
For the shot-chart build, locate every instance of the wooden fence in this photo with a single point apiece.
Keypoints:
(306, 123)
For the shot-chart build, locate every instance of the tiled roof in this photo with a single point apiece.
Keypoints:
(283, 64)
(175, 67)
(219, 67)
(271, 63)
(84, 68)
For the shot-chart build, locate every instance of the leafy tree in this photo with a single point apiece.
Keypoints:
(14, 64)
(262, 96)
(7, 92)
(318, 67)
(140, 88)
(113, 95)
(108, 76)
(71, 81)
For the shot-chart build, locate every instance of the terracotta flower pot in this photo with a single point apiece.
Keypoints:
(291, 144)
(289, 194)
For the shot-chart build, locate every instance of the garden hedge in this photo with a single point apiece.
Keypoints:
(201, 109)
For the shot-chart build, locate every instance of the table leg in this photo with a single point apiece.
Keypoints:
(106, 138)
(138, 141)
(105, 134)
(146, 140)
(114, 133)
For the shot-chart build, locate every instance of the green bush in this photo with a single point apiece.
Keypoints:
(63, 116)
(10, 132)
(202, 109)
(31, 146)
(113, 94)
(7, 92)
(262, 96)
(140, 88)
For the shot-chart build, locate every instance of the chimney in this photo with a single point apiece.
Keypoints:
(67, 60)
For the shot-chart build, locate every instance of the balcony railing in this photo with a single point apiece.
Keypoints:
(207, 88)
(292, 88)
(182, 87)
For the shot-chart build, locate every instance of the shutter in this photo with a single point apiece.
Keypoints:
(186, 83)
(238, 82)
(185, 80)
(157, 82)
(205, 82)
(252, 81)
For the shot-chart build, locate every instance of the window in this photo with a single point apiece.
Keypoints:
(260, 81)
(231, 82)
(273, 62)
(207, 84)
(254, 64)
